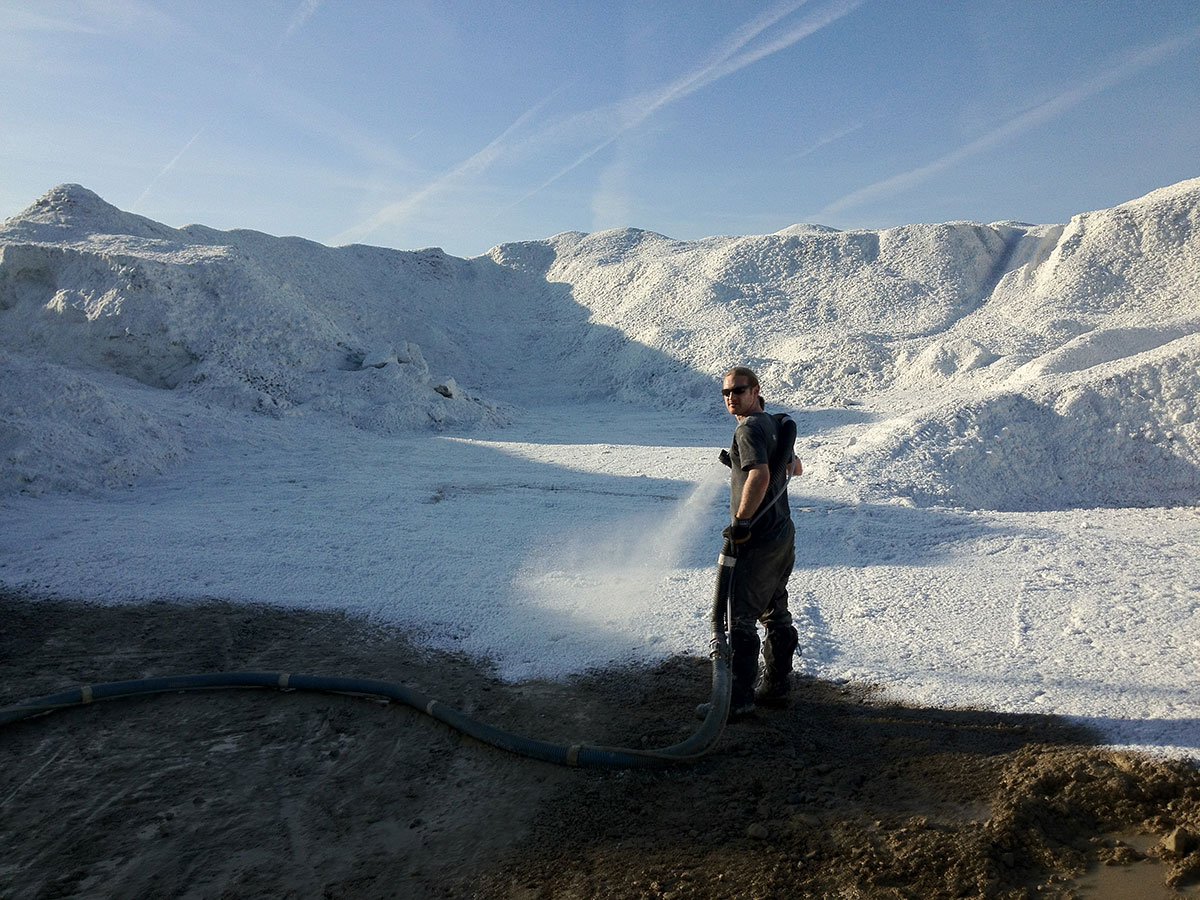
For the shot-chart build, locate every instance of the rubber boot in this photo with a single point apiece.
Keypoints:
(743, 669)
(778, 649)
(743, 666)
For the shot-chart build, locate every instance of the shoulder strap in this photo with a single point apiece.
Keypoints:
(781, 462)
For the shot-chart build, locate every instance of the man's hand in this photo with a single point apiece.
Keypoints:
(738, 532)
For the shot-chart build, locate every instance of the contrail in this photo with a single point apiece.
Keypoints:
(20, 18)
(1135, 62)
(402, 209)
(637, 110)
(302, 15)
(614, 120)
(826, 140)
(167, 168)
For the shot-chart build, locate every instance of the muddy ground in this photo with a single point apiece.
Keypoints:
(267, 794)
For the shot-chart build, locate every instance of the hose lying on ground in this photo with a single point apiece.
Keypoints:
(698, 744)
(572, 755)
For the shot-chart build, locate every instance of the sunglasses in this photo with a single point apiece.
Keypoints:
(740, 389)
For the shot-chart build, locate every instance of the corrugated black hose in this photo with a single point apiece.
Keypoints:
(701, 742)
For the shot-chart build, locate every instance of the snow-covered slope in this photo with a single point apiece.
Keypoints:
(1003, 366)
(379, 339)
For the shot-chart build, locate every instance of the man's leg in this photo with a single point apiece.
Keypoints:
(743, 667)
(782, 639)
(778, 650)
(756, 583)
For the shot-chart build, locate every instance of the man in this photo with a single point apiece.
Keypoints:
(764, 541)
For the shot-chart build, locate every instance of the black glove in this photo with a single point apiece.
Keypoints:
(725, 460)
(738, 532)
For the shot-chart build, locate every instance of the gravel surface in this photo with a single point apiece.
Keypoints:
(240, 794)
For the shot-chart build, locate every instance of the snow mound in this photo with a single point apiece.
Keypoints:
(1005, 366)
(71, 212)
(804, 229)
(816, 312)
(63, 429)
(1009, 366)
(1125, 434)
(208, 318)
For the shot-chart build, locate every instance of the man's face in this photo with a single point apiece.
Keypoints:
(740, 398)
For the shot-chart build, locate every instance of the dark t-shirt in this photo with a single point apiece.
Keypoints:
(754, 442)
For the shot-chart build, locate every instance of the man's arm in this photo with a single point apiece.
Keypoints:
(758, 479)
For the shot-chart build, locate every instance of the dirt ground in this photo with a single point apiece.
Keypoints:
(268, 794)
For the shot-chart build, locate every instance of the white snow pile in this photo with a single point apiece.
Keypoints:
(1021, 367)
(241, 320)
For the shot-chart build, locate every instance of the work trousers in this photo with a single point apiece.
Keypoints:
(759, 595)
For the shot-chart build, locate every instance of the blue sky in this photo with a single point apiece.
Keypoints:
(467, 124)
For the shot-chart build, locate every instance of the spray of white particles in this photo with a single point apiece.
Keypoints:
(613, 577)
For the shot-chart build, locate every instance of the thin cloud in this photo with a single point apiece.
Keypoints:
(330, 124)
(128, 19)
(790, 36)
(280, 99)
(135, 17)
(1135, 62)
(303, 13)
